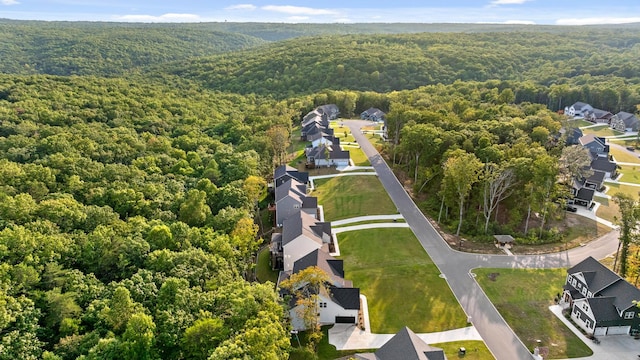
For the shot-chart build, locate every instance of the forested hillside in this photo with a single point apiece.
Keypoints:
(126, 221)
(385, 63)
(63, 48)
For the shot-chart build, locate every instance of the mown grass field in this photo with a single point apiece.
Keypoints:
(624, 156)
(400, 281)
(603, 130)
(523, 298)
(350, 196)
(630, 174)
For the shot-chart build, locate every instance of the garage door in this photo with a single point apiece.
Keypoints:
(618, 330)
(600, 331)
(345, 319)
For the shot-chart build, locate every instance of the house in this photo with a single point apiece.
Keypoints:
(329, 140)
(573, 136)
(595, 180)
(301, 234)
(598, 116)
(609, 168)
(335, 306)
(340, 304)
(405, 345)
(373, 114)
(578, 109)
(326, 155)
(597, 145)
(624, 121)
(314, 116)
(601, 302)
(331, 110)
(291, 197)
(582, 196)
(316, 133)
(285, 172)
(307, 132)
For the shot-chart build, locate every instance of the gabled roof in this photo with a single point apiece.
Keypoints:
(588, 139)
(406, 345)
(330, 265)
(348, 298)
(302, 223)
(293, 188)
(320, 152)
(596, 177)
(603, 308)
(601, 164)
(601, 114)
(579, 105)
(597, 275)
(624, 294)
(287, 171)
(283, 170)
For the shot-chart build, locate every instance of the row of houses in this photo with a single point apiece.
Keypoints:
(600, 301)
(621, 121)
(601, 168)
(324, 149)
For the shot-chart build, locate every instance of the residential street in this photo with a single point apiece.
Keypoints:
(456, 266)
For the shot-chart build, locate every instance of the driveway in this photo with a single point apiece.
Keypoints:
(456, 266)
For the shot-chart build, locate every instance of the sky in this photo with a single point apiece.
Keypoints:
(551, 12)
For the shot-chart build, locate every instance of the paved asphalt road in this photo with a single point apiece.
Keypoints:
(456, 266)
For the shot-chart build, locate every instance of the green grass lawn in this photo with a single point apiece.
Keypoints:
(476, 350)
(263, 268)
(630, 174)
(350, 196)
(358, 156)
(400, 281)
(603, 130)
(624, 156)
(522, 297)
(580, 122)
(607, 209)
(625, 189)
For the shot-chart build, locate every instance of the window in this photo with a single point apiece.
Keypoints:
(587, 323)
(584, 291)
(574, 282)
(585, 307)
(323, 304)
(568, 279)
(629, 315)
(589, 294)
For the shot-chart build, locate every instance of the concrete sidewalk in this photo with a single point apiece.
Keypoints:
(366, 218)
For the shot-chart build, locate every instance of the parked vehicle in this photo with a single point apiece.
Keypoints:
(571, 208)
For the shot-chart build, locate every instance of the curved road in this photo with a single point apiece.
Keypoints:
(456, 266)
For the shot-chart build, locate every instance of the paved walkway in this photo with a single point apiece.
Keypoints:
(366, 218)
(312, 178)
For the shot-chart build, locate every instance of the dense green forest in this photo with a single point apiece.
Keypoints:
(132, 157)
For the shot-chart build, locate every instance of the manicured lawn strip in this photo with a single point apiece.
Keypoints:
(621, 188)
(603, 130)
(522, 297)
(607, 209)
(630, 174)
(358, 157)
(345, 197)
(371, 222)
(624, 156)
(580, 122)
(400, 281)
(476, 350)
(263, 268)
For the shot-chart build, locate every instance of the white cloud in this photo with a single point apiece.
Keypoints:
(519, 22)
(299, 10)
(597, 21)
(9, 2)
(508, 2)
(162, 18)
(249, 7)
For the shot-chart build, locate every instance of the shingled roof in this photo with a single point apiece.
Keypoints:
(405, 345)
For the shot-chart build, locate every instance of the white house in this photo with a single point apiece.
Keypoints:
(325, 155)
(578, 109)
(337, 306)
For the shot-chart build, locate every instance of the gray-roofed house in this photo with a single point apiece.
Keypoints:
(326, 155)
(583, 196)
(573, 136)
(330, 265)
(405, 345)
(331, 110)
(285, 172)
(291, 198)
(373, 114)
(624, 121)
(601, 302)
(596, 145)
(578, 109)
(302, 234)
(336, 305)
(609, 168)
(598, 116)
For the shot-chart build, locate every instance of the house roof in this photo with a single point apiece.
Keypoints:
(601, 164)
(587, 139)
(628, 118)
(579, 105)
(603, 308)
(624, 294)
(585, 194)
(301, 224)
(596, 177)
(348, 298)
(407, 345)
(291, 172)
(293, 188)
(283, 170)
(596, 275)
(330, 109)
(504, 238)
(330, 265)
(601, 114)
(320, 152)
